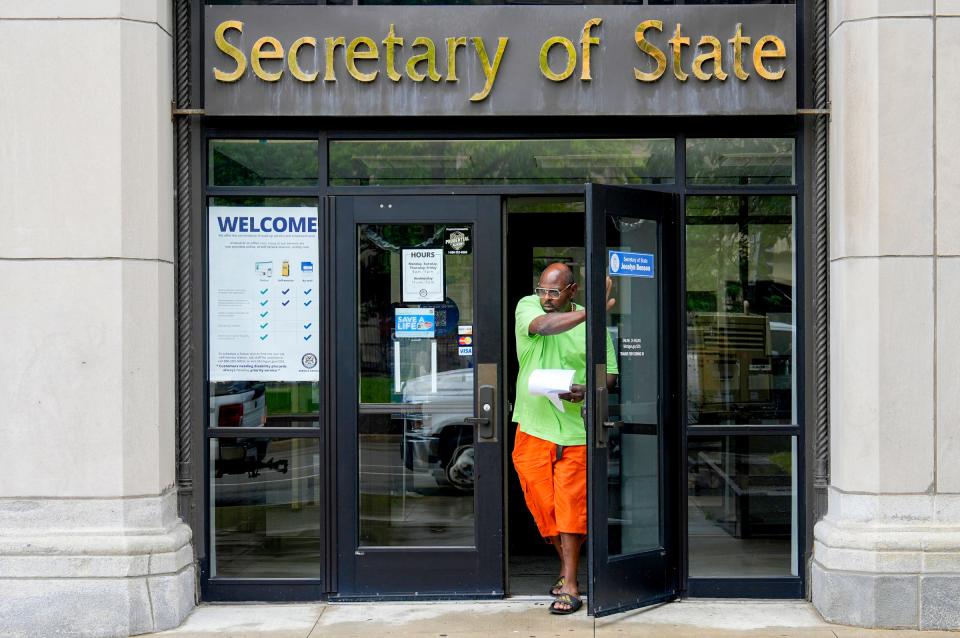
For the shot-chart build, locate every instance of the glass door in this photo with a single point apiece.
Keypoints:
(419, 477)
(632, 419)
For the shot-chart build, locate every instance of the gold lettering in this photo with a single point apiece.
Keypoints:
(389, 42)
(779, 51)
(650, 50)
(716, 55)
(294, 64)
(257, 54)
(370, 53)
(429, 56)
(738, 40)
(586, 41)
(677, 42)
(489, 70)
(545, 55)
(331, 45)
(230, 50)
(452, 44)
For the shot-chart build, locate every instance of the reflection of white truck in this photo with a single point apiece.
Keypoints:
(238, 404)
(436, 438)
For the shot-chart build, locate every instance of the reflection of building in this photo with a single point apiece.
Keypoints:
(734, 368)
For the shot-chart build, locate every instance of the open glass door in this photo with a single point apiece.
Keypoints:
(632, 423)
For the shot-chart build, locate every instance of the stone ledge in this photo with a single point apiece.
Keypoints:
(887, 537)
(156, 11)
(94, 565)
(100, 607)
(148, 514)
(858, 10)
(887, 601)
(900, 509)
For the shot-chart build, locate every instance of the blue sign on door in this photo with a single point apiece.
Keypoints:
(413, 323)
(631, 264)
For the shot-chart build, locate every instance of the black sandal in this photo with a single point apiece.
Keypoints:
(566, 599)
(556, 586)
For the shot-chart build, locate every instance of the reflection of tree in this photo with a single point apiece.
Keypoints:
(740, 248)
(740, 161)
(264, 162)
(501, 161)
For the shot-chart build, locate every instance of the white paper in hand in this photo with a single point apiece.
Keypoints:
(550, 383)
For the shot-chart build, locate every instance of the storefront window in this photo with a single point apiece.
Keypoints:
(740, 161)
(741, 310)
(399, 162)
(258, 162)
(265, 508)
(742, 506)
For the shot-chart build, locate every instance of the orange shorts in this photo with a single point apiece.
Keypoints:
(555, 489)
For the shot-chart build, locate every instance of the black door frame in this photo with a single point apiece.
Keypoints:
(374, 128)
(403, 573)
(631, 581)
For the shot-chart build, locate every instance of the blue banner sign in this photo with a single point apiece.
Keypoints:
(631, 264)
(414, 323)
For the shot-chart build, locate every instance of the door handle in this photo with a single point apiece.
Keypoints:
(600, 408)
(486, 409)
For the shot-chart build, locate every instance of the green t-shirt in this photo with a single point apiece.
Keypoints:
(566, 350)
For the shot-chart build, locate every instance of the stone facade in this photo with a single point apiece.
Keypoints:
(90, 541)
(888, 552)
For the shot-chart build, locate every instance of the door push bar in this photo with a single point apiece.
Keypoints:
(486, 408)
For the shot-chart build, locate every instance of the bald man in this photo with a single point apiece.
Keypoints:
(550, 452)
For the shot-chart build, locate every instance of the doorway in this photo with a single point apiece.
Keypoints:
(539, 231)
(625, 238)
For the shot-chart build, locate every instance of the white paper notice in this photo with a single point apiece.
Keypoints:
(263, 293)
(550, 383)
(422, 274)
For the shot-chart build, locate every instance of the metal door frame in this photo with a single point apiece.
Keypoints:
(382, 573)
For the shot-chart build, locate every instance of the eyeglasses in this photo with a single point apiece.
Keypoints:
(552, 293)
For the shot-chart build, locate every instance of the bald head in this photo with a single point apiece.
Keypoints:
(556, 275)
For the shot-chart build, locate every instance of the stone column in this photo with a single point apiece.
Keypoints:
(90, 541)
(888, 552)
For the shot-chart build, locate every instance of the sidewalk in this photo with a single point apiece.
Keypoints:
(524, 618)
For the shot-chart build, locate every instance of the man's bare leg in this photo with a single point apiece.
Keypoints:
(570, 561)
(555, 541)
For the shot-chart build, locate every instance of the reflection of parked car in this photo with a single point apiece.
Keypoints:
(240, 404)
(436, 439)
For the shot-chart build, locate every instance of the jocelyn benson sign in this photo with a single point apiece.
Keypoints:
(500, 60)
(631, 264)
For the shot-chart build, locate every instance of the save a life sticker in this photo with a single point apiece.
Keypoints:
(414, 323)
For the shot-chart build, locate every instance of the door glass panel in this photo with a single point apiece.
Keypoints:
(266, 510)
(416, 384)
(633, 468)
(742, 506)
(741, 310)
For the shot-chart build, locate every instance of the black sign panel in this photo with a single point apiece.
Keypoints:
(500, 60)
